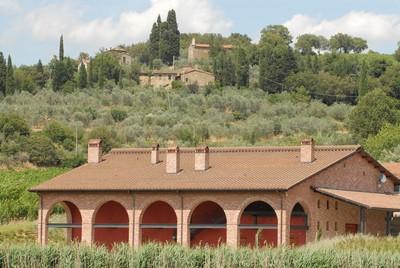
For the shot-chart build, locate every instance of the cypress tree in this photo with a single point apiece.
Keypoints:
(242, 68)
(58, 75)
(363, 80)
(40, 77)
(120, 82)
(61, 49)
(154, 42)
(165, 53)
(10, 80)
(90, 73)
(101, 77)
(3, 74)
(82, 76)
(174, 41)
(224, 69)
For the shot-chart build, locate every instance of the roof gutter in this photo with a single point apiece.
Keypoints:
(155, 190)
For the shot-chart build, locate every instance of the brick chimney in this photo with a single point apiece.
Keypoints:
(155, 154)
(94, 151)
(173, 160)
(201, 159)
(307, 151)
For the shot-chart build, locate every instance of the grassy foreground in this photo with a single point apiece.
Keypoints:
(359, 251)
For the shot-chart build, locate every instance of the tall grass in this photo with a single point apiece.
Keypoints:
(355, 252)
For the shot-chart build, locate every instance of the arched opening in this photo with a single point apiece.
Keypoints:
(64, 223)
(298, 226)
(159, 223)
(111, 225)
(208, 225)
(258, 225)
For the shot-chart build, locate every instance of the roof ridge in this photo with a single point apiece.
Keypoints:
(242, 149)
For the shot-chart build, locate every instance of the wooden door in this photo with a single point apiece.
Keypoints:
(351, 228)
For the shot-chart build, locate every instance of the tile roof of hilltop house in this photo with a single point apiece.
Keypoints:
(393, 167)
(231, 169)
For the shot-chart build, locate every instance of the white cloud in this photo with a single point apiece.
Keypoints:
(9, 5)
(48, 22)
(378, 29)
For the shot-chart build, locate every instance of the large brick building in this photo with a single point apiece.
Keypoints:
(237, 196)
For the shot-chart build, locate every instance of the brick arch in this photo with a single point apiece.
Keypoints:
(102, 201)
(195, 203)
(298, 224)
(158, 223)
(73, 216)
(144, 206)
(260, 226)
(111, 221)
(207, 224)
(250, 200)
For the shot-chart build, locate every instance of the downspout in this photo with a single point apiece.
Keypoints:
(281, 232)
(41, 219)
(180, 195)
(133, 219)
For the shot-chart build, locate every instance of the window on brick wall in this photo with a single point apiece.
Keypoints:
(336, 205)
(327, 204)
(318, 225)
(318, 203)
(327, 225)
(336, 226)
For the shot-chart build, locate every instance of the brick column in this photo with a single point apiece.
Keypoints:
(185, 240)
(87, 227)
(232, 228)
(131, 215)
(137, 234)
(42, 226)
(283, 227)
(283, 221)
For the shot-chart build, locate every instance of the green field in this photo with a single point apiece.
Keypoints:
(359, 251)
(16, 203)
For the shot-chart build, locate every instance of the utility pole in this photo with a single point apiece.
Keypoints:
(76, 140)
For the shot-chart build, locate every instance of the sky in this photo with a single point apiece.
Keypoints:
(30, 29)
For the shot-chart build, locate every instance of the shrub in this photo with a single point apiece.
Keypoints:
(42, 151)
(13, 125)
(373, 111)
(386, 140)
(60, 134)
(118, 115)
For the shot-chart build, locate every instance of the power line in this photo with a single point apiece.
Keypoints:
(311, 93)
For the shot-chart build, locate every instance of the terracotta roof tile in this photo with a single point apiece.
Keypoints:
(393, 168)
(364, 199)
(239, 168)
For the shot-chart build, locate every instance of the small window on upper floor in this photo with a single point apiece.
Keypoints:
(336, 205)
(318, 203)
(327, 225)
(327, 204)
(318, 225)
(336, 226)
(397, 189)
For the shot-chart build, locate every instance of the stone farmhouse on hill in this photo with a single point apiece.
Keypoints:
(164, 78)
(198, 196)
(198, 51)
(121, 54)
